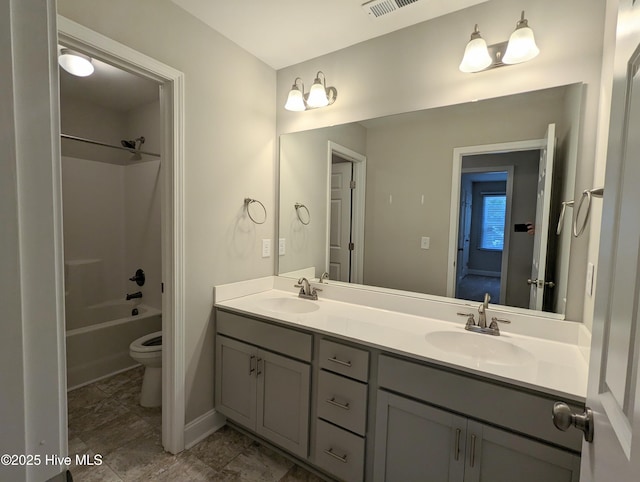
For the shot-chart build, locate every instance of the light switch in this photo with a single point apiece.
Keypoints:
(424, 243)
(281, 246)
(266, 248)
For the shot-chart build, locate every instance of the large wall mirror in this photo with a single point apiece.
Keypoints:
(456, 201)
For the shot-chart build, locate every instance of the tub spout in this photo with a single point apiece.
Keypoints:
(137, 294)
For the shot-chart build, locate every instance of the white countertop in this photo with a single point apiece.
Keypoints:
(554, 367)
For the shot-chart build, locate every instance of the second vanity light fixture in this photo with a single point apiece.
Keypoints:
(521, 47)
(319, 95)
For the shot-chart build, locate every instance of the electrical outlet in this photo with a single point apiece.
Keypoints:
(266, 248)
(425, 242)
(281, 246)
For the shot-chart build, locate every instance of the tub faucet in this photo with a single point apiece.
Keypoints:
(131, 296)
(482, 315)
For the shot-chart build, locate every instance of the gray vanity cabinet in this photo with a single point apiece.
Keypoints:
(415, 441)
(264, 391)
(418, 442)
(495, 455)
(414, 438)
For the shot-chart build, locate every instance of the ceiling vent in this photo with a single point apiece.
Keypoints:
(378, 8)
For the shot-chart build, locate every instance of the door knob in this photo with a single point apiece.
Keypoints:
(564, 418)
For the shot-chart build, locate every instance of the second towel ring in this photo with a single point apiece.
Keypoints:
(248, 202)
(587, 193)
(300, 206)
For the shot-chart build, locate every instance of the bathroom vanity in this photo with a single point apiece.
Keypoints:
(370, 390)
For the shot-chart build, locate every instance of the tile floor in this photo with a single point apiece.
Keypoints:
(105, 418)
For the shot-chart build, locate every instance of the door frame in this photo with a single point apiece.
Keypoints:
(458, 154)
(504, 267)
(172, 105)
(359, 162)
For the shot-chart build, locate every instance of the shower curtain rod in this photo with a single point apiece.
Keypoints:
(98, 143)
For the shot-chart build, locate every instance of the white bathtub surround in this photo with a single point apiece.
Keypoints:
(549, 354)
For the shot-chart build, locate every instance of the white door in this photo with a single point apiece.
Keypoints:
(614, 379)
(543, 209)
(464, 231)
(340, 231)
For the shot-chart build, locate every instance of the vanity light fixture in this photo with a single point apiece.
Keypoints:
(521, 47)
(522, 44)
(75, 63)
(318, 96)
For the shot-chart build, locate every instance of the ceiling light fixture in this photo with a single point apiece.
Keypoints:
(521, 47)
(318, 96)
(75, 63)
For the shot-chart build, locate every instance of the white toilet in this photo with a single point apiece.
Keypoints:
(148, 351)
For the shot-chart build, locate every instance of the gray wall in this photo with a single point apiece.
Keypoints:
(230, 150)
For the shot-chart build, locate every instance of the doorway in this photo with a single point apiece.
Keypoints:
(485, 211)
(345, 214)
(172, 278)
(527, 200)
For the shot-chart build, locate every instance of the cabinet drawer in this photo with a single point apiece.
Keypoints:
(507, 407)
(344, 359)
(272, 337)
(342, 401)
(339, 452)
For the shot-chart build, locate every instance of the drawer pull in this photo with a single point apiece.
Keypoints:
(341, 458)
(457, 447)
(332, 401)
(473, 451)
(260, 367)
(252, 367)
(340, 362)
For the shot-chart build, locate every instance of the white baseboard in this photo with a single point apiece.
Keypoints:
(202, 427)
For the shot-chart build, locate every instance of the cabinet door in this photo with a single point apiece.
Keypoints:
(283, 402)
(417, 442)
(494, 455)
(235, 384)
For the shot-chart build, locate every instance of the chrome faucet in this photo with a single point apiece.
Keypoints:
(481, 326)
(482, 316)
(306, 290)
(324, 276)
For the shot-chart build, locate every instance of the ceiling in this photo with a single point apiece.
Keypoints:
(285, 32)
(278, 32)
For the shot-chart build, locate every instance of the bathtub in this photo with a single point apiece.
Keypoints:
(98, 338)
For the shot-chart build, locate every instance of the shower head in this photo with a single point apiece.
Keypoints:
(128, 144)
(134, 145)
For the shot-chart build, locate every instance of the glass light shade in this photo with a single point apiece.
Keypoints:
(317, 95)
(295, 101)
(522, 46)
(75, 63)
(476, 56)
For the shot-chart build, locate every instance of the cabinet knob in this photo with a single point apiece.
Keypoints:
(564, 418)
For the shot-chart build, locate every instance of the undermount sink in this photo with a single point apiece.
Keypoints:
(288, 305)
(481, 347)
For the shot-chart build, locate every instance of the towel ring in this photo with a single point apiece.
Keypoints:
(300, 206)
(248, 202)
(587, 193)
(565, 205)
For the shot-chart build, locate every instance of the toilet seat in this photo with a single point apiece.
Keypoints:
(138, 346)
